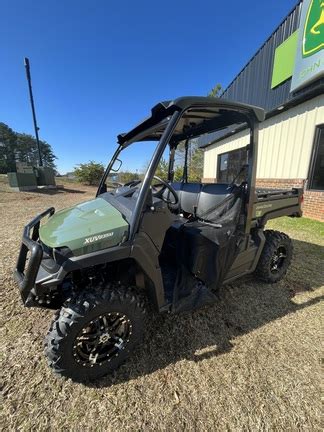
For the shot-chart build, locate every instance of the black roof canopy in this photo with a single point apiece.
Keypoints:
(201, 115)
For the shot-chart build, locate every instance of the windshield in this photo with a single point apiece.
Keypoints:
(132, 162)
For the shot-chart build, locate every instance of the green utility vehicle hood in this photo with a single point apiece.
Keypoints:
(87, 227)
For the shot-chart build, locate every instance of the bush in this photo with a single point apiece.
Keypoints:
(127, 176)
(89, 173)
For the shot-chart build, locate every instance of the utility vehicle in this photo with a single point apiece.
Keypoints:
(151, 242)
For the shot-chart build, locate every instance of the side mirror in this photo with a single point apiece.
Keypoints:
(116, 165)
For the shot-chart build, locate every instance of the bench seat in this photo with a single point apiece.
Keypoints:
(197, 199)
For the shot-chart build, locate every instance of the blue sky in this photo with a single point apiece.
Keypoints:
(99, 66)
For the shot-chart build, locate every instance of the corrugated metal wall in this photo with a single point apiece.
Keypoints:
(253, 84)
(285, 143)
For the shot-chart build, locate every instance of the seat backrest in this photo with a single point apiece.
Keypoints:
(189, 197)
(176, 186)
(211, 195)
(202, 196)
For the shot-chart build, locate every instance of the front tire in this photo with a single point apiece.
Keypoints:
(275, 257)
(95, 332)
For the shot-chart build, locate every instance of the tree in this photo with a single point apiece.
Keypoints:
(215, 91)
(196, 164)
(178, 173)
(89, 173)
(195, 161)
(27, 151)
(162, 169)
(127, 176)
(7, 149)
(20, 147)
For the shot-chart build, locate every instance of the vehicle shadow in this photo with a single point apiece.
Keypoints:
(242, 307)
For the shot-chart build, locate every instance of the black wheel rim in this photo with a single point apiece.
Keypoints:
(278, 259)
(102, 339)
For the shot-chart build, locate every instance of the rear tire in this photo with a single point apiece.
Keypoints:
(275, 257)
(95, 332)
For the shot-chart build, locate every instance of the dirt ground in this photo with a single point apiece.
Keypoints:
(250, 362)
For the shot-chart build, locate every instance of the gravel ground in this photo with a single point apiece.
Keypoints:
(250, 362)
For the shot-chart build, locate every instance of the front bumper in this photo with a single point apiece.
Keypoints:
(27, 267)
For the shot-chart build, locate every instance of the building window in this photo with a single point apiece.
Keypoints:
(316, 173)
(229, 165)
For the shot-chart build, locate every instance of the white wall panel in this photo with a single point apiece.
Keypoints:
(285, 143)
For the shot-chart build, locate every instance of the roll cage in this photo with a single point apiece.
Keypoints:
(183, 119)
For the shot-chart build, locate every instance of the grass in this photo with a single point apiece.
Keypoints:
(308, 229)
(250, 362)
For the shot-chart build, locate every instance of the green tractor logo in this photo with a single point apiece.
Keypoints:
(313, 40)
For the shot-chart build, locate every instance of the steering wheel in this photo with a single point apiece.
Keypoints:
(159, 193)
(133, 183)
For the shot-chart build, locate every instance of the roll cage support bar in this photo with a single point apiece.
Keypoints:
(253, 125)
(151, 171)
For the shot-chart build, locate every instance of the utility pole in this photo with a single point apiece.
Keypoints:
(27, 67)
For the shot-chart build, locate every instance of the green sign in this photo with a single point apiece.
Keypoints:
(313, 35)
(309, 63)
(284, 60)
(301, 56)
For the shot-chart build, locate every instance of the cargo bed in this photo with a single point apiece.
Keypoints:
(273, 203)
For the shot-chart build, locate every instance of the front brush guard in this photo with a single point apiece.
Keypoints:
(24, 275)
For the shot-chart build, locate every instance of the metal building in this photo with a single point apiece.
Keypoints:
(286, 78)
